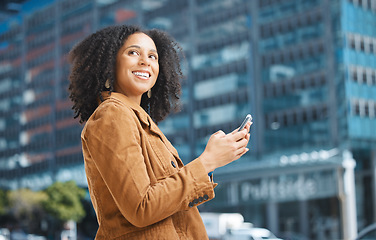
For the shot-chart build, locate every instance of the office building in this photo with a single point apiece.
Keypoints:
(305, 70)
(313, 99)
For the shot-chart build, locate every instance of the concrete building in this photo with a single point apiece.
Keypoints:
(305, 70)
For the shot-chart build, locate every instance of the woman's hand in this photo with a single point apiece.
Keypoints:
(223, 149)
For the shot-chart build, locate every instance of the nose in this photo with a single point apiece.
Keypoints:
(144, 60)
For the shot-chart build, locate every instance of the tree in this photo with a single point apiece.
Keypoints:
(26, 207)
(3, 202)
(64, 201)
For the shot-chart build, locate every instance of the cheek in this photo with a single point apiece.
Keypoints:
(156, 69)
(119, 68)
(122, 69)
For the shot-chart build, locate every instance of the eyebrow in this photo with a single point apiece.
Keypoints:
(136, 46)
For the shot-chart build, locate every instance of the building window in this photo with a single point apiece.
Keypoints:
(373, 78)
(362, 75)
(362, 48)
(293, 117)
(361, 43)
(363, 108)
(366, 4)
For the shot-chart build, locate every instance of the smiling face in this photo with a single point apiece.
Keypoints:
(137, 66)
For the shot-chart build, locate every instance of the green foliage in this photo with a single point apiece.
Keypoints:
(64, 201)
(24, 207)
(3, 202)
(24, 203)
(57, 204)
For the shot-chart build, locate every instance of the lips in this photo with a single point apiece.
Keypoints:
(142, 74)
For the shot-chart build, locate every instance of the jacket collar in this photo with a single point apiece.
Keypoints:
(140, 112)
(142, 116)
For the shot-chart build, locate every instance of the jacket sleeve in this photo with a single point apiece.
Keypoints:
(113, 141)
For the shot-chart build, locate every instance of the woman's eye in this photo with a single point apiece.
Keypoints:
(132, 52)
(153, 57)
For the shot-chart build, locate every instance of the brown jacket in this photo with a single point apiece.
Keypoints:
(139, 187)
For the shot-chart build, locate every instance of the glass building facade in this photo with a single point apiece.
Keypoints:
(305, 70)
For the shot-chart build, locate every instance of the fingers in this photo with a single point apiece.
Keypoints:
(220, 133)
(236, 136)
(240, 152)
(248, 137)
(242, 143)
(248, 126)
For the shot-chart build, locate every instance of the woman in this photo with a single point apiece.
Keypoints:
(123, 80)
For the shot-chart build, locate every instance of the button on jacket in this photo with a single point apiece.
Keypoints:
(139, 187)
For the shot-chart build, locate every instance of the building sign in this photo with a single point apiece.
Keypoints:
(290, 187)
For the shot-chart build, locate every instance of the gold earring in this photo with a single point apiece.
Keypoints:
(149, 93)
(107, 84)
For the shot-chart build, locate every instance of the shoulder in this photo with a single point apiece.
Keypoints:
(111, 108)
(111, 114)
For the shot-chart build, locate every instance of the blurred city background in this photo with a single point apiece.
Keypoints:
(305, 70)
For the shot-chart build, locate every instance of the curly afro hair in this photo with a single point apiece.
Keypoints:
(94, 61)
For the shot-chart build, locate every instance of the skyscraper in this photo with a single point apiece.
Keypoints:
(313, 100)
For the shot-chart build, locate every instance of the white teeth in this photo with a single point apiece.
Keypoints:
(141, 74)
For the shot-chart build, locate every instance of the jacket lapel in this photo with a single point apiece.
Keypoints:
(155, 129)
(146, 120)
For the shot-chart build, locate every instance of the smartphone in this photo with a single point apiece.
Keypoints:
(246, 119)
